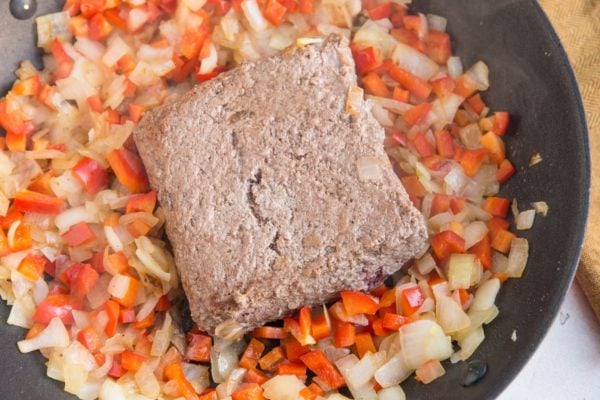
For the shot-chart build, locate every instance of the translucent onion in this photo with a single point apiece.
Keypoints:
(517, 258)
(54, 335)
(450, 315)
(375, 35)
(283, 387)
(525, 220)
(455, 67)
(437, 22)
(254, 15)
(460, 269)
(110, 390)
(414, 61)
(162, 337)
(147, 382)
(474, 233)
(485, 296)
(393, 372)
(423, 340)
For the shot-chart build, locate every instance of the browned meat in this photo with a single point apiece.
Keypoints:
(258, 174)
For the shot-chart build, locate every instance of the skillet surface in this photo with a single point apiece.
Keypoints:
(532, 79)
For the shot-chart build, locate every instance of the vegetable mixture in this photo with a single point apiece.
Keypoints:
(84, 263)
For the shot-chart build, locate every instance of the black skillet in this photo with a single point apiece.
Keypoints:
(532, 79)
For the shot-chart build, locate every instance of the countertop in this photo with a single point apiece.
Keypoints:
(566, 366)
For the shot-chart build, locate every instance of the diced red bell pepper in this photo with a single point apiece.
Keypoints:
(116, 370)
(464, 86)
(414, 84)
(300, 329)
(269, 332)
(32, 202)
(131, 361)
(118, 263)
(494, 146)
(137, 18)
(248, 391)
(28, 87)
(91, 175)
(141, 202)
(192, 41)
(42, 184)
(422, 145)
(175, 372)
(366, 59)
(129, 170)
(502, 240)
(56, 305)
(497, 224)
(411, 299)
(496, 206)
(417, 114)
(11, 216)
(89, 339)
(269, 361)
(393, 322)
(79, 234)
(438, 46)
(374, 85)
(293, 349)
(320, 329)
(377, 327)
(82, 279)
(112, 309)
(21, 239)
(400, 95)
(274, 12)
(446, 243)
(252, 354)
(440, 204)
(63, 61)
(471, 160)
(32, 266)
(4, 248)
(99, 28)
(364, 343)
(413, 186)
(126, 315)
(483, 251)
(306, 6)
(501, 120)
(163, 303)
(198, 347)
(344, 334)
(254, 376)
(356, 303)
(145, 323)
(381, 11)
(505, 171)
(89, 8)
(442, 87)
(317, 362)
(476, 103)
(291, 368)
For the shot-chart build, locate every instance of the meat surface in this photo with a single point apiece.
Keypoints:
(275, 196)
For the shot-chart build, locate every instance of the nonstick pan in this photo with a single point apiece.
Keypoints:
(532, 79)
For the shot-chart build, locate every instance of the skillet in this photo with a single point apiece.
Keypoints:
(532, 79)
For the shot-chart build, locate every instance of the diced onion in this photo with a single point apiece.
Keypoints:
(392, 372)
(147, 382)
(54, 335)
(474, 233)
(414, 61)
(460, 269)
(423, 340)
(391, 393)
(110, 390)
(517, 258)
(450, 315)
(525, 219)
(283, 387)
(437, 22)
(541, 207)
(486, 295)
(254, 15)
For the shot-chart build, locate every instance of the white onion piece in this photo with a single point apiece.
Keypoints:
(479, 75)
(395, 106)
(381, 115)
(21, 312)
(234, 379)
(162, 337)
(147, 307)
(525, 220)
(54, 335)
(81, 318)
(474, 233)
(98, 295)
(455, 67)
(450, 315)
(437, 22)
(254, 15)
(470, 343)
(365, 391)
(392, 372)
(283, 387)
(486, 295)
(194, 5)
(147, 382)
(425, 264)
(110, 390)
(101, 372)
(517, 258)
(117, 48)
(414, 61)
(391, 393)
(197, 375)
(362, 372)
(423, 340)
(209, 63)
(460, 269)
(540, 207)
(72, 216)
(375, 35)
